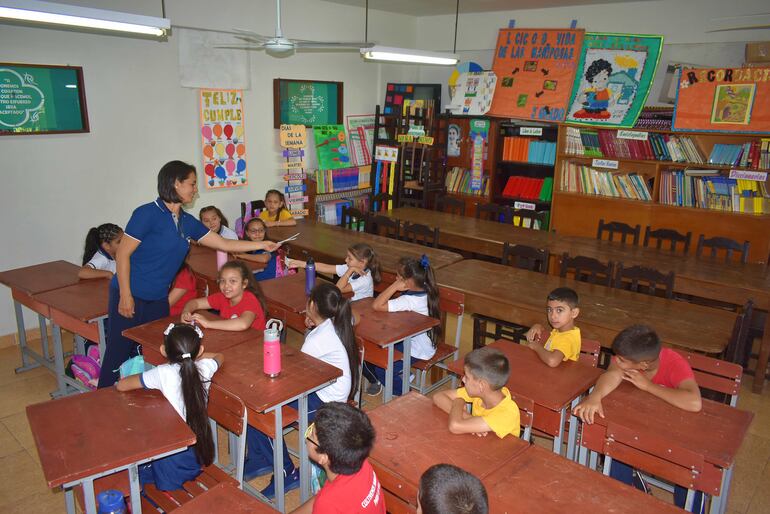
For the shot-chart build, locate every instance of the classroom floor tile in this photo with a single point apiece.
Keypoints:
(8, 444)
(20, 476)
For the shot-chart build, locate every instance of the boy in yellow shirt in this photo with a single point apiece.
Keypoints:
(485, 373)
(564, 342)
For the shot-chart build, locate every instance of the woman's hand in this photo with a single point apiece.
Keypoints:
(187, 317)
(271, 246)
(126, 306)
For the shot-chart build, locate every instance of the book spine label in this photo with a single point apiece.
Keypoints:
(604, 163)
(759, 176)
(531, 131)
(632, 134)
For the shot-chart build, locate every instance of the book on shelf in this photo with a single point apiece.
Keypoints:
(578, 178)
(589, 142)
(330, 211)
(458, 180)
(655, 118)
(343, 179)
(528, 149)
(528, 188)
(696, 188)
(752, 155)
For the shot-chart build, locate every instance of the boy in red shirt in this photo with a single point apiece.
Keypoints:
(340, 440)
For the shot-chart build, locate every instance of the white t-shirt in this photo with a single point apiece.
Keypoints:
(167, 379)
(363, 286)
(102, 262)
(422, 347)
(323, 343)
(227, 232)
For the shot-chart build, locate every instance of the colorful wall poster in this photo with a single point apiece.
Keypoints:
(293, 139)
(479, 133)
(331, 147)
(306, 102)
(473, 93)
(723, 99)
(360, 138)
(613, 78)
(535, 71)
(224, 144)
(454, 136)
(462, 67)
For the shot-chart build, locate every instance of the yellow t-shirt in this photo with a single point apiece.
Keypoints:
(283, 215)
(503, 418)
(567, 343)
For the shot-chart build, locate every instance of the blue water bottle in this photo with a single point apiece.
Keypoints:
(111, 502)
(309, 275)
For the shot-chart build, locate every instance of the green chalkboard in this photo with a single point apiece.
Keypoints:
(36, 99)
(306, 102)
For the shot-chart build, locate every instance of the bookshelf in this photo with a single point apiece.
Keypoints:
(663, 179)
(349, 185)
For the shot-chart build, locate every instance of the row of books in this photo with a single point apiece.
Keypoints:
(528, 188)
(458, 180)
(753, 155)
(656, 118)
(577, 178)
(344, 179)
(331, 211)
(699, 188)
(589, 142)
(528, 149)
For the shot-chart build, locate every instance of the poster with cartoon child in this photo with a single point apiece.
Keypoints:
(614, 76)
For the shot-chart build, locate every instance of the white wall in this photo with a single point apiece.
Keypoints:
(54, 187)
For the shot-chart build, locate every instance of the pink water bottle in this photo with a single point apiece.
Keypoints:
(221, 259)
(271, 358)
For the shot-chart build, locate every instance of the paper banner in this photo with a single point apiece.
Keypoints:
(479, 132)
(386, 153)
(293, 139)
(293, 136)
(361, 138)
(535, 71)
(723, 99)
(223, 137)
(473, 93)
(331, 147)
(613, 79)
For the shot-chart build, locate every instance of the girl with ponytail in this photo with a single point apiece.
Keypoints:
(99, 253)
(184, 381)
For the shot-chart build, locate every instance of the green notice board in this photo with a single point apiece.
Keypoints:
(306, 102)
(38, 99)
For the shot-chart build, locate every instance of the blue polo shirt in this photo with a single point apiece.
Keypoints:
(163, 245)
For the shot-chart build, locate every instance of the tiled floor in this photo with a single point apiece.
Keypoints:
(23, 488)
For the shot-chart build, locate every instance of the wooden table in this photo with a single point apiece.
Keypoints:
(716, 433)
(300, 375)
(203, 262)
(413, 435)
(385, 330)
(507, 293)
(540, 481)
(285, 298)
(551, 389)
(224, 499)
(83, 437)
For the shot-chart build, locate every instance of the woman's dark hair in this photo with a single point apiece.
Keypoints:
(364, 252)
(283, 201)
(96, 236)
(222, 219)
(330, 304)
(247, 275)
(345, 435)
(447, 489)
(167, 177)
(246, 227)
(422, 274)
(182, 340)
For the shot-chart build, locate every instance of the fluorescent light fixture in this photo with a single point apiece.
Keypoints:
(384, 53)
(75, 16)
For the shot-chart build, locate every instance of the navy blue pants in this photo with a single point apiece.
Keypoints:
(259, 447)
(169, 473)
(119, 348)
(377, 374)
(625, 473)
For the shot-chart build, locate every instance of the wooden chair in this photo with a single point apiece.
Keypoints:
(493, 212)
(353, 219)
(379, 202)
(616, 227)
(738, 349)
(201, 286)
(250, 207)
(589, 352)
(526, 415)
(526, 257)
(451, 205)
(586, 269)
(525, 218)
(640, 279)
(671, 236)
(420, 234)
(715, 375)
(723, 244)
(380, 225)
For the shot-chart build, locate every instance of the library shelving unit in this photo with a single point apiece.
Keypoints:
(358, 198)
(663, 179)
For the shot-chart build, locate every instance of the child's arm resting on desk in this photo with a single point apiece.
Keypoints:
(592, 405)
(88, 272)
(551, 358)
(242, 322)
(685, 396)
(130, 383)
(260, 258)
(460, 422)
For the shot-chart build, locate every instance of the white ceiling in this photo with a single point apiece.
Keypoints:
(436, 7)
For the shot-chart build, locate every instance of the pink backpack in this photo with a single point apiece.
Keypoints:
(86, 368)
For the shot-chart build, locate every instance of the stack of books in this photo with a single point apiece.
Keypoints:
(588, 142)
(458, 180)
(577, 178)
(344, 179)
(527, 188)
(528, 149)
(331, 211)
(707, 189)
(752, 155)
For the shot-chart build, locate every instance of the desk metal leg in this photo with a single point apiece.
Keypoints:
(407, 373)
(278, 460)
(607, 465)
(572, 435)
(69, 500)
(44, 336)
(388, 394)
(592, 460)
(102, 337)
(26, 365)
(582, 456)
(764, 357)
(719, 503)
(58, 362)
(133, 484)
(88, 495)
(304, 460)
(560, 436)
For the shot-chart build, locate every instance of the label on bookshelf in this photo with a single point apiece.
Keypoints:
(293, 165)
(524, 205)
(632, 134)
(295, 176)
(759, 176)
(604, 163)
(297, 199)
(531, 131)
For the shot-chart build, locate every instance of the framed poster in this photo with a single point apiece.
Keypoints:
(224, 139)
(42, 99)
(306, 102)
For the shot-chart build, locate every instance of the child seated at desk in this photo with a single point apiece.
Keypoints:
(486, 371)
(662, 372)
(564, 342)
(215, 221)
(256, 230)
(276, 214)
(340, 440)
(182, 290)
(447, 489)
(99, 254)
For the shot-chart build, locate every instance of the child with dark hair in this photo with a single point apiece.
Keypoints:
(184, 381)
(564, 342)
(276, 214)
(256, 230)
(447, 489)
(486, 372)
(340, 441)
(215, 221)
(182, 290)
(597, 97)
(99, 253)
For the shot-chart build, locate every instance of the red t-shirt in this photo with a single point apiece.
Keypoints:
(672, 370)
(249, 302)
(352, 494)
(184, 280)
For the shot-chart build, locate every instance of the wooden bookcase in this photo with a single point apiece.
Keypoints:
(579, 214)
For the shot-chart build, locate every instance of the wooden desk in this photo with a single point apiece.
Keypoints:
(539, 481)
(716, 432)
(285, 297)
(82, 437)
(511, 294)
(385, 330)
(224, 499)
(203, 262)
(300, 375)
(552, 389)
(413, 435)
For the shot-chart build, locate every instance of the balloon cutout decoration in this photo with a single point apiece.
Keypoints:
(223, 138)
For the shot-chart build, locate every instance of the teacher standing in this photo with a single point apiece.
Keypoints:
(158, 239)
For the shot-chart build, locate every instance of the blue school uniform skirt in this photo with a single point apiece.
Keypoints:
(169, 473)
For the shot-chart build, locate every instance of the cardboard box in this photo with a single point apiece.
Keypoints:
(758, 51)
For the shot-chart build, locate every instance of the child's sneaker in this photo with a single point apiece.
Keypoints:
(290, 482)
(374, 388)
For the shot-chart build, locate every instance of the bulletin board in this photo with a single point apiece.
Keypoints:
(306, 102)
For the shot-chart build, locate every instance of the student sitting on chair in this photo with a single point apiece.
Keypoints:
(447, 489)
(485, 373)
(564, 342)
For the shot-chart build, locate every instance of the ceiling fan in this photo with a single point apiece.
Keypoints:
(278, 44)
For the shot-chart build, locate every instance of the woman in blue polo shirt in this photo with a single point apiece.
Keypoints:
(157, 240)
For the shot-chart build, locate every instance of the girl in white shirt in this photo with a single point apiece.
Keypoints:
(99, 255)
(215, 221)
(358, 275)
